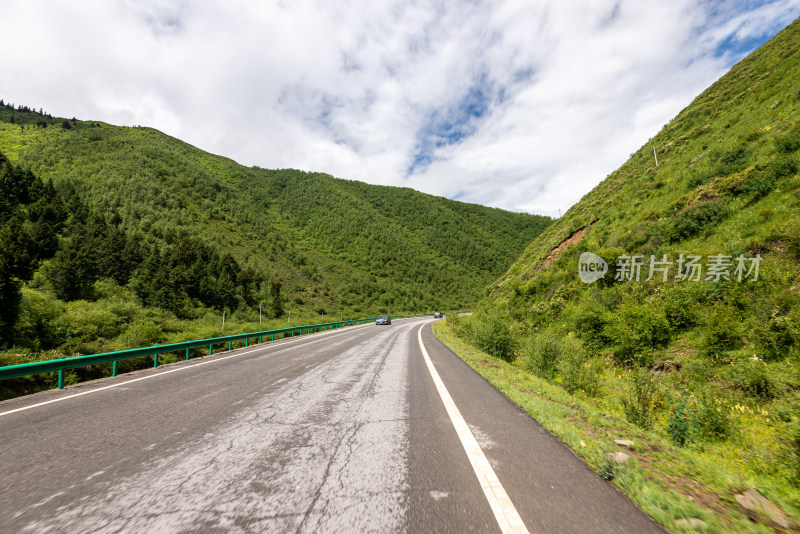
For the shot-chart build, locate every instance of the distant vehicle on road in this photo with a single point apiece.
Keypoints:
(383, 319)
(438, 315)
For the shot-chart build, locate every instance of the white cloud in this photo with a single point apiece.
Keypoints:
(516, 104)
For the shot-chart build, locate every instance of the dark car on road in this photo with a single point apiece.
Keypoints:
(383, 319)
(438, 315)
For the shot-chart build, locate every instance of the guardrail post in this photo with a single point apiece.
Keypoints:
(60, 379)
(259, 340)
(155, 360)
(273, 337)
(230, 345)
(114, 369)
(246, 342)
(210, 350)
(187, 354)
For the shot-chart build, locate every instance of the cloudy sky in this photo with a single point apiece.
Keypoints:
(520, 104)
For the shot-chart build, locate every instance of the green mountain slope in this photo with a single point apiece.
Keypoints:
(705, 370)
(726, 183)
(333, 244)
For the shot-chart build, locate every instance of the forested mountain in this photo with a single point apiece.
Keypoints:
(189, 232)
(692, 337)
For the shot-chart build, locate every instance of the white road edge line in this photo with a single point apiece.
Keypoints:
(162, 373)
(504, 511)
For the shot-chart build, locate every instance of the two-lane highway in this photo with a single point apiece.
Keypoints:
(353, 430)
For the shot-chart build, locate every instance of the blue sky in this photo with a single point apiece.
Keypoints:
(449, 126)
(520, 104)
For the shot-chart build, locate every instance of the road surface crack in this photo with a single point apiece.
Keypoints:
(344, 437)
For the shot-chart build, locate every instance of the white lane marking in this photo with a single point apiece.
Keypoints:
(48, 499)
(175, 370)
(90, 477)
(505, 513)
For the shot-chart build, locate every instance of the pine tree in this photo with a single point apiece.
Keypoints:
(15, 266)
(72, 272)
(276, 309)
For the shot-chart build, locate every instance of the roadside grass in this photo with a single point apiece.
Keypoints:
(666, 481)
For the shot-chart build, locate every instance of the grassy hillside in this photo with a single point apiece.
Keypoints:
(334, 244)
(703, 374)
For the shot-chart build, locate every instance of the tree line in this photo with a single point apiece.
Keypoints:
(71, 247)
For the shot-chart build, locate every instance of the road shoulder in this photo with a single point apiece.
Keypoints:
(559, 492)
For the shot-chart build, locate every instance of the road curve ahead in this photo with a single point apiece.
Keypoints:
(353, 430)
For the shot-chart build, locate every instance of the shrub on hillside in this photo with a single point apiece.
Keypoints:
(87, 321)
(721, 330)
(791, 438)
(782, 166)
(678, 303)
(721, 163)
(610, 256)
(679, 425)
(750, 375)
(762, 183)
(589, 319)
(36, 326)
(759, 184)
(493, 336)
(550, 353)
(639, 401)
(788, 142)
(714, 422)
(461, 326)
(777, 336)
(579, 372)
(142, 333)
(693, 219)
(543, 352)
(732, 160)
(637, 329)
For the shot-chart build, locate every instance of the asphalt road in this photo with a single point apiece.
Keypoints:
(342, 431)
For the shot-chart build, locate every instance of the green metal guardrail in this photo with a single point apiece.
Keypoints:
(62, 364)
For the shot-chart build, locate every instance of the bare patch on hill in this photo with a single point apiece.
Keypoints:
(568, 242)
